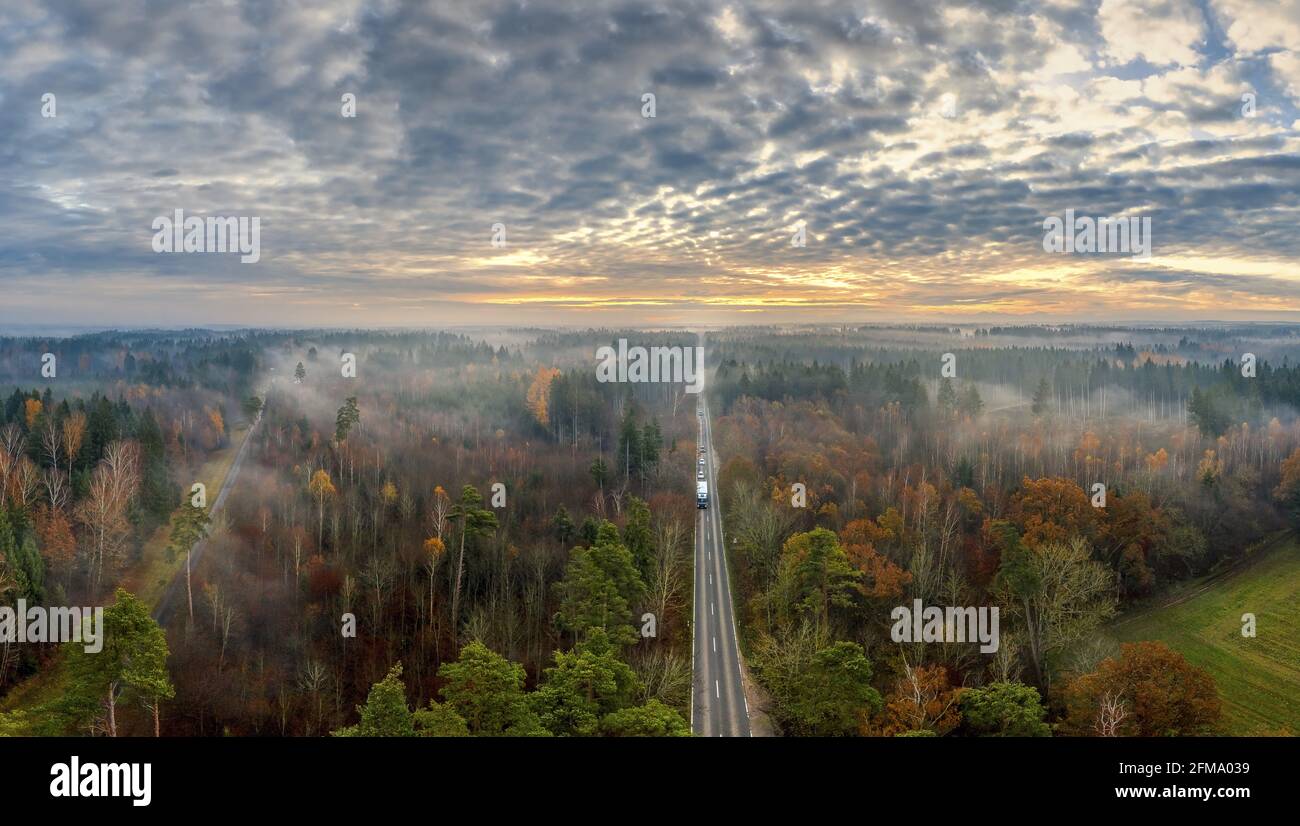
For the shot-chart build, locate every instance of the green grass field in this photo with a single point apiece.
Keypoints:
(1259, 678)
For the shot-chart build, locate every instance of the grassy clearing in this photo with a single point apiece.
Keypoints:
(1258, 678)
(147, 578)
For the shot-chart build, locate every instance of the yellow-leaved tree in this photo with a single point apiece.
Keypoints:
(539, 395)
(322, 488)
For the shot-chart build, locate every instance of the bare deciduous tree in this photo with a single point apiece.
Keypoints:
(1111, 712)
(24, 482)
(666, 577)
(51, 440)
(56, 487)
(104, 510)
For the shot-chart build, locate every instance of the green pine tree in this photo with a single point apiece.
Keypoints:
(971, 403)
(189, 525)
(385, 713)
(629, 444)
(600, 586)
(584, 685)
(1003, 710)
(562, 525)
(654, 719)
(599, 472)
(947, 397)
(132, 664)
(475, 522)
(349, 416)
(637, 535)
(440, 720)
(487, 691)
(835, 693)
(1042, 397)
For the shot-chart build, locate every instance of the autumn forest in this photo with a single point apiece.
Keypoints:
(364, 533)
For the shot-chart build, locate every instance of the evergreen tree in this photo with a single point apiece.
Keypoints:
(8, 541)
(29, 571)
(599, 472)
(131, 665)
(385, 713)
(629, 444)
(189, 526)
(654, 719)
(965, 473)
(101, 428)
(157, 490)
(1206, 414)
(1004, 710)
(1042, 397)
(816, 575)
(21, 561)
(440, 720)
(562, 525)
(349, 416)
(651, 444)
(487, 691)
(947, 397)
(971, 403)
(637, 535)
(589, 530)
(601, 583)
(583, 686)
(475, 521)
(834, 696)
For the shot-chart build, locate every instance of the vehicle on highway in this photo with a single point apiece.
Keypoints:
(701, 494)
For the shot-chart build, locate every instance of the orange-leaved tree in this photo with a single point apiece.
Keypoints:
(1150, 690)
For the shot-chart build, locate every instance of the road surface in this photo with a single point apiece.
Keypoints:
(718, 707)
(176, 590)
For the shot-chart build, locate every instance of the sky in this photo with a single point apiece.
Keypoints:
(918, 146)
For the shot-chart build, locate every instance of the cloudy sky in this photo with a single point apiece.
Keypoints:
(920, 144)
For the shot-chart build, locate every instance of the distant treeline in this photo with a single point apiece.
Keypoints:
(1223, 395)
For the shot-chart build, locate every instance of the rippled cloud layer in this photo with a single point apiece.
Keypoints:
(914, 148)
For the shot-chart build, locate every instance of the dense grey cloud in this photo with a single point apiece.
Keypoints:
(921, 145)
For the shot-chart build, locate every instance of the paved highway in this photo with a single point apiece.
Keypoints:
(718, 707)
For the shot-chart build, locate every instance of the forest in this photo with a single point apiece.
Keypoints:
(1059, 474)
(393, 533)
(454, 507)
